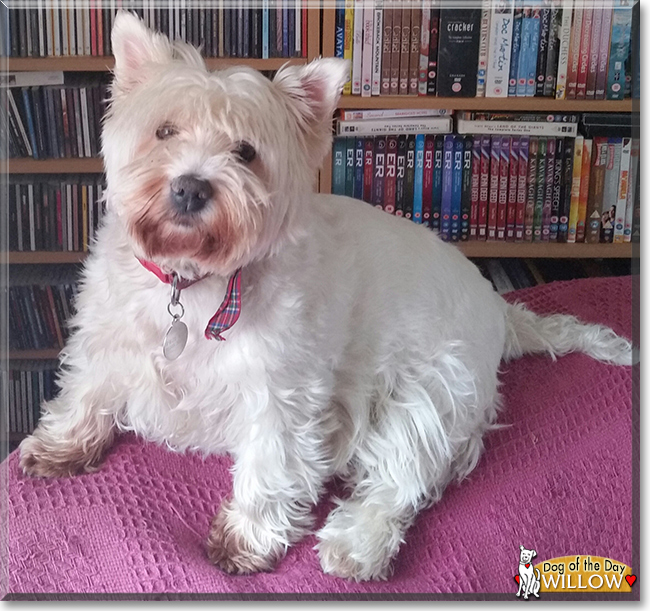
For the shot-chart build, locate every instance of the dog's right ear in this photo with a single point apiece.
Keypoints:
(135, 46)
(521, 548)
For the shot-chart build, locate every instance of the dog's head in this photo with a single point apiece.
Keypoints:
(526, 555)
(209, 170)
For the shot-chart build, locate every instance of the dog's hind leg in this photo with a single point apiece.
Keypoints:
(417, 441)
(363, 534)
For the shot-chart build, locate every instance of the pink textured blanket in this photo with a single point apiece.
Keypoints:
(558, 479)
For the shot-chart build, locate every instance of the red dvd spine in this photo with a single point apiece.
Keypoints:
(484, 197)
(531, 187)
(583, 66)
(548, 189)
(368, 167)
(476, 189)
(427, 179)
(574, 53)
(594, 53)
(495, 158)
(512, 190)
(93, 29)
(504, 175)
(520, 216)
(100, 28)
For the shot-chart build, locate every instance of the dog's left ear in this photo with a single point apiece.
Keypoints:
(313, 92)
(315, 88)
(534, 553)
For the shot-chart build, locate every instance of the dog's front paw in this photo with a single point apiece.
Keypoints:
(40, 458)
(337, 558)
(356, 544)
(234, 544)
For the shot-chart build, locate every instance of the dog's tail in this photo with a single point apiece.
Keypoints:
(559, 334)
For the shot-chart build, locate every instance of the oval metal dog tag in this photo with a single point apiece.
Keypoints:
(175, 340)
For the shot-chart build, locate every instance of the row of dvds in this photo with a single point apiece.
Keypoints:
(512, 274)
(510, 188)
(54, 121)
(221, 28)
(507, 275)
(38, 315)
(441, 121)
(518, 48)
(33, 318)
(54, 213)
(28, 385)
(387, 121)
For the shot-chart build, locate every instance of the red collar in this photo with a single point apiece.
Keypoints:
(228, 312)
(183, 283)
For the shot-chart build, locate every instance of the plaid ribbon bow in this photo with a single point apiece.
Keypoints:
(229, 310)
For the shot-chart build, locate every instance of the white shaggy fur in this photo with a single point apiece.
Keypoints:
(366, 346)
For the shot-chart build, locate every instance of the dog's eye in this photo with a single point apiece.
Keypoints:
(245, 152)
(166, 130)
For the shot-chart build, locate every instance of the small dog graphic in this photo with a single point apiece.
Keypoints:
(529, 583)
(227, 308)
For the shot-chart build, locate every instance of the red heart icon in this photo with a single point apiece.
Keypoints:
(527, 565)
(630, 579)
(517, 579)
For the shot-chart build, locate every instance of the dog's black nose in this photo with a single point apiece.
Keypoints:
(190, 194)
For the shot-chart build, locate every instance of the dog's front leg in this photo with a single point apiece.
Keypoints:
(278, 475)
(527, 587)
(77, 426)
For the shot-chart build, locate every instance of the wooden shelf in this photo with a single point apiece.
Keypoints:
(470, 249)
(85, 165)
(547, 250)
(84, 63)
(487, 104)
(46, 354)
(29, 258)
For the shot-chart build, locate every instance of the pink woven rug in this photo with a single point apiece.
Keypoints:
(558, 479)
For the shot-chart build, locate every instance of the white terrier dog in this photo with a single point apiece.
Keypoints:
(355, 344)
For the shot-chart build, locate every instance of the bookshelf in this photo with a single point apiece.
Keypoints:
(50, 353)
(483, 249)
(39, 257)
(538, 250)
(84, 63)
(84, 165)
(487, 104)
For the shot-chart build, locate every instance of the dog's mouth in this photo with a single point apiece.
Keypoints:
(186, 221)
